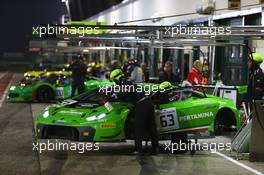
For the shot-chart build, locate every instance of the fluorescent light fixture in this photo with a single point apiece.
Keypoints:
(108, 48)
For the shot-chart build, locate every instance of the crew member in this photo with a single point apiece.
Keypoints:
(137, 73)
(78, 69)
(205, 72)
(194, 76)
(255, 88)
(118, 77)
(168, 75)
(144, 112)
(145, 125)
(145, 72)
(145, 116)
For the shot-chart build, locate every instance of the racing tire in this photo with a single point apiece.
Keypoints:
(45, 94)
(219, 128)
(224, 119)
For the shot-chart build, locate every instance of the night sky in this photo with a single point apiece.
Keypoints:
(18, 16)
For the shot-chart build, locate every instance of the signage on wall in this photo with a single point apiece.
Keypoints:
(234, 4)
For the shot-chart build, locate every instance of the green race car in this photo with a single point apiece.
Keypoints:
(94, 117)
(39, 75)
(55, 86)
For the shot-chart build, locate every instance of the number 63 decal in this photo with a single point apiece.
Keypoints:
(167, 119)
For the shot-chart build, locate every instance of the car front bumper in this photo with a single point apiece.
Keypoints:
(74, 133)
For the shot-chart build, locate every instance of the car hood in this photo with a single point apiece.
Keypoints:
(18, 89)
(70, 116)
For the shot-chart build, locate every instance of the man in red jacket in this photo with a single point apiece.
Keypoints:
(194, 76)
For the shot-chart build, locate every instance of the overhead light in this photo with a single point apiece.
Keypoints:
(125, 1)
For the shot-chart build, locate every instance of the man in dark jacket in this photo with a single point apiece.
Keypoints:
(144, 118)
(79, 71)
(256, 78)
(168, 75)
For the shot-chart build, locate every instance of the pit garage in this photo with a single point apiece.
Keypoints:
(200, 70)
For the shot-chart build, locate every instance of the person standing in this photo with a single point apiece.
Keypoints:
(168, 75)
(145, 125)
(145, 70)
(79, 70)
(144, 116)
(255, 89)
(137, 73)
(194, 76)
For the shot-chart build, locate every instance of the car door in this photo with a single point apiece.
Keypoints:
(192, 112)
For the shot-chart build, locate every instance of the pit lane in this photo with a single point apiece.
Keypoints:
(18, 157)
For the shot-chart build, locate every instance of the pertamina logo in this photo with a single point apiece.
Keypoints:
(197, 116)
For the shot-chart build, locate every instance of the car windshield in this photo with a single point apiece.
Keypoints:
(93, 96)
(186, 93)
(98, 95)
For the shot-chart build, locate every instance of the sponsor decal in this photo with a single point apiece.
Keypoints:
(71, 112)
(197, 116)
(59, 92)
(167, 119)
(108, 125)
(108, 106)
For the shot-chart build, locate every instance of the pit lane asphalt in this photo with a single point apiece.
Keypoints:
(17, 155)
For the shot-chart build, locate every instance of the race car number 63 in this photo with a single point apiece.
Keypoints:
(59, 92)
(168, 119)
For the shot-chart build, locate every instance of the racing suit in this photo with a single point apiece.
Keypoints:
(194, 77)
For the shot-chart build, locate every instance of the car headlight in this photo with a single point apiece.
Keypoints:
(12, 88)
(46, 114)
(92, 118)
